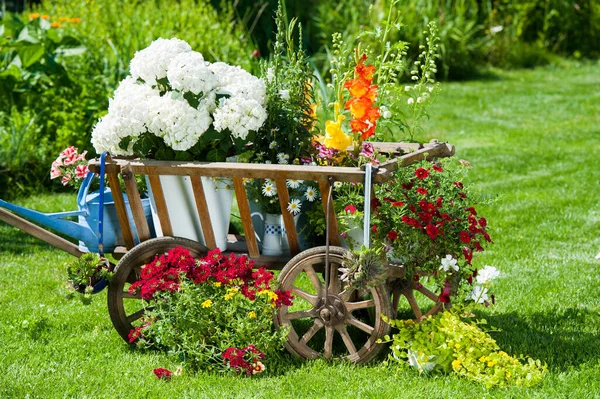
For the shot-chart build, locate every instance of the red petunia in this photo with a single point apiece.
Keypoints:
(445, 295)
(432, 231)
(392, 235)
(437, 168)
(422, 173)
(350, 209)
(162, 373)
(464, 237)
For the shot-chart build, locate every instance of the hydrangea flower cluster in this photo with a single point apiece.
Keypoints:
(174, 94)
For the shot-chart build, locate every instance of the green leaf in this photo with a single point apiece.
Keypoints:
(30, 54)
(183, 156)
(165, 153)
(71, 51)
(215, 155)
(124, 143)
(26, 36)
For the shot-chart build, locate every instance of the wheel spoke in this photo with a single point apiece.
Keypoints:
(128, 295)
(428, 293)
(341, 328)
(304, 295)
(134, 316)
(352, 306)
(345, 295)
(311, 331)
(334, 279)
(413, 303)
(300, 314)
(328, 342)
(314, 279)
(363, 326)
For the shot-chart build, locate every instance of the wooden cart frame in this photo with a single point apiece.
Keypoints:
(333, 308)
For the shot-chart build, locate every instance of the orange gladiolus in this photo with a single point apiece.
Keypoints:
(357, 87)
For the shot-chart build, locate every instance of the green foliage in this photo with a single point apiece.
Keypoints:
(446, 343)
(86, 271)
(364, 269)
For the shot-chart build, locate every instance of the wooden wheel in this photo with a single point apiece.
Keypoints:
(339, 328)
(412, 290)
(125, 308)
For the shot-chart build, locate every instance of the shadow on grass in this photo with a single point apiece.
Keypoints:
(16, 242)
(563, 339)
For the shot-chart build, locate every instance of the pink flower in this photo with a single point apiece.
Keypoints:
(68, 152)
(70, 160)
(465, 163)
(66, 179)
(55, 171)
(81, 157)
(81, 171)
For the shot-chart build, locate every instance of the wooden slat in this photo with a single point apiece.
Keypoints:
(135, 202)
(203, 212)
(288, 218)
(39, 232)
(334, 234)
(117, 194)
(244, 208)
(161, 205)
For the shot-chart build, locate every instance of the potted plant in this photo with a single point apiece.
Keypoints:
(89, 274)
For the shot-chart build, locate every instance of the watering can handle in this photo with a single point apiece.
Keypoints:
(101, 206)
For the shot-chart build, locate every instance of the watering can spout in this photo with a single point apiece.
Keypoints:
(55, 221)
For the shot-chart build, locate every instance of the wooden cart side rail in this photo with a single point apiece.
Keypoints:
(38, 232)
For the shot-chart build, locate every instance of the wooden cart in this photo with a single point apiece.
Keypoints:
(323, 306)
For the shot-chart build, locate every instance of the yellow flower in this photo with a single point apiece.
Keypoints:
(232, 289)
(207, 303)
(335, 136)
(252, 315)
(492, 363)
(229, 296)
(456, 364)
(217, 284)
(457, 346)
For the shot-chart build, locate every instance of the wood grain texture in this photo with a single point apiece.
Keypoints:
(115, 188)
(288, 219)
(203, 212)
(334, 234)
(161, 205)
(135, 202)
(244, 208)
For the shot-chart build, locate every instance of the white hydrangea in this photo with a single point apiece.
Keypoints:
(151, 63)
(189, 72)
(179, 124)
(239, 115)
(235, 81)
(127, 117)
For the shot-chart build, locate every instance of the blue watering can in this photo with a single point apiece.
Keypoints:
(86, 228)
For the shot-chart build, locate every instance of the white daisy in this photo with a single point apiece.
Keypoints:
(294, 207)
(294, 183)
(337, 184)
(269, 189)
(310, 194)
(283, 158)
(272, 145)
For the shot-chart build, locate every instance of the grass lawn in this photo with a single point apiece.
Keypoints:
(533, 138)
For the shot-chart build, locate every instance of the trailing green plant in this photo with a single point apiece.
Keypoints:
(446, 343)
(86, 271)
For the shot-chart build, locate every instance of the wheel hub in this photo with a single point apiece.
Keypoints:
(333, 313)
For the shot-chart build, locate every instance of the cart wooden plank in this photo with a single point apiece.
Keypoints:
(161, 205)
(115, 185)
(203, 212)
(244, 208)
(137, 209)
(334, 235)
(288, 219)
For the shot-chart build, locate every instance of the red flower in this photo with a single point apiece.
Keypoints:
(421, 173)
(163, 374)
(398, 203)
(421, 191)
(432, 231)
(407, 186)
(471, 210)
(458, 184)
(482, 222)
(392, 235)
(468, 254)
(350, 209)
(445, 295)
(437, 168)
(374, 228)
(462, 195)
(464, 237)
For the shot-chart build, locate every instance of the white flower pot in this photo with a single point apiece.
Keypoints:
(183, 213)
(354, 236)
(274, 238)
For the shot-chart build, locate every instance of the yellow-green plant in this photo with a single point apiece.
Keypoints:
(447, 343)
